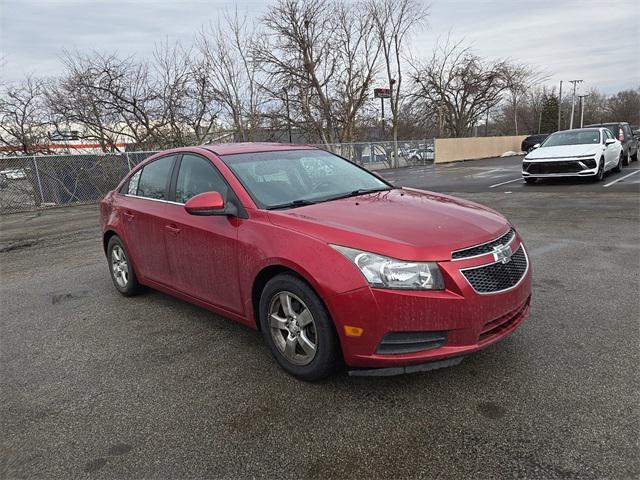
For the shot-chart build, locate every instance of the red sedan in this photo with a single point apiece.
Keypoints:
(329, 261)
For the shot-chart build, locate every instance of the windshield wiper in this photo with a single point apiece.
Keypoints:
(293, 204)
(360, 191)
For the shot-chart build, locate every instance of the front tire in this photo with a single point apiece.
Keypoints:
(600, 175)
(627, 159)
(121, 269)
(297, 327)
(530, 181)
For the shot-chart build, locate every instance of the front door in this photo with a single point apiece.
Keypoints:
(202, 250)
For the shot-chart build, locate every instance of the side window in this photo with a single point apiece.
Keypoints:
(153, 179)
(198, 175)
(132, 188)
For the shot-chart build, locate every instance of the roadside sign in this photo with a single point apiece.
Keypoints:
(381, 93)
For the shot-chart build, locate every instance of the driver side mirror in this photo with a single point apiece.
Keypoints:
(209, 203)
(609, 141)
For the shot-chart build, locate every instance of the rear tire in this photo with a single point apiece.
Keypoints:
(297, 327)
(122, 274)
(618, 167)
(634, 157)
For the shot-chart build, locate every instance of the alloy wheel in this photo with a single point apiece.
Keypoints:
(293, 328)
(119, 266)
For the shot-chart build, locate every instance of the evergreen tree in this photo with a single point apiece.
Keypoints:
(549, 121)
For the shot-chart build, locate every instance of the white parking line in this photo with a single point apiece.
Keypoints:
(488, 172)
(621, 178)
(508, 181)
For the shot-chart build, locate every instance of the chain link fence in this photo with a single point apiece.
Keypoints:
(379, 155)
(34, 182)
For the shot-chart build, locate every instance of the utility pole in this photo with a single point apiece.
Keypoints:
(286, 96)
(573, 101)
(582, 97)
(560, 107)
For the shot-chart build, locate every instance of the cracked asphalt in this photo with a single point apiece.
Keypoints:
(94, 385)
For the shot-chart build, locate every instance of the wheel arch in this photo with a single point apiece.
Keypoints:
(106, 236)
(270, 271)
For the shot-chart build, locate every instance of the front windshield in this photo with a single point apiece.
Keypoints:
(296, 177)
(573, 137)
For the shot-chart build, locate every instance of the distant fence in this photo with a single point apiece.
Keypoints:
(379, 155)
(35, 182)
(32, 182)
(473, 148)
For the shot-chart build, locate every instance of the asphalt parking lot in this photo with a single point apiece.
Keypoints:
(503, 175)
(93, 385)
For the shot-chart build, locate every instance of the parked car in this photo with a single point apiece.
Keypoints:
(330, 262)
(531, 141)
(424, 153)
(587, 152)
(622, 131)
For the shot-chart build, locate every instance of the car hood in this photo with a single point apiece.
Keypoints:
(564, 151)
(403, 223)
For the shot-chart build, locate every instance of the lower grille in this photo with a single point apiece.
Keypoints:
(498, 276)
(410, 342)
(503, 323)
(556, 167)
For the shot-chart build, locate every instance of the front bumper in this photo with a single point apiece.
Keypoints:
(470, 320)
(582, 167)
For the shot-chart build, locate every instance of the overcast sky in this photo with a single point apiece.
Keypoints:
(598, 41)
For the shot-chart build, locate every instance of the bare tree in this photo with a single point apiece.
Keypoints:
(394, 21)
(23, 119)
(321, 56)
(232, 73)
(458, 86)
(188, 108)
(519, 79)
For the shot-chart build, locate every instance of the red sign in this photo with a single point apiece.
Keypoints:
(381, 93)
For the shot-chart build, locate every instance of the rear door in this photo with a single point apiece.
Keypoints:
(202, 250)
(610, 151)
(145, 217)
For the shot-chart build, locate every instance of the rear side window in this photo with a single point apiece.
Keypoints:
(198, 175)
(153, 179)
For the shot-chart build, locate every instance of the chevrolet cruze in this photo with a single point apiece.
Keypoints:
(331, 263)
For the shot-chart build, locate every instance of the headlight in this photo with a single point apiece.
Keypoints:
(385, 272)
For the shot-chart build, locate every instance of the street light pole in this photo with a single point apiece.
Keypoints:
(573, 101)
(582, 97)
(560, 107)
(286, 97)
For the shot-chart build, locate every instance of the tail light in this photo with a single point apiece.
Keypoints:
(621, 135)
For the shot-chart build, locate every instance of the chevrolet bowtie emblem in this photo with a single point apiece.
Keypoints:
(502, 253)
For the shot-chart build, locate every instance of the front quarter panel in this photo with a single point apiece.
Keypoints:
(262, 244)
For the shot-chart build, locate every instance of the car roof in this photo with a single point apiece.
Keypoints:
(589, 127)
(605, 124)
(253, 147)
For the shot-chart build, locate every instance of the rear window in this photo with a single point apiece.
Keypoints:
(154, 177)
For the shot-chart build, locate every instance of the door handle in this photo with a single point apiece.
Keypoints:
(129, 216)
(172, 229)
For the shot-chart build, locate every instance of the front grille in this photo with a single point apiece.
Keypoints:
(483, 248)
(553, 167)
(410, 342)
(498, 276)
(503, 323)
